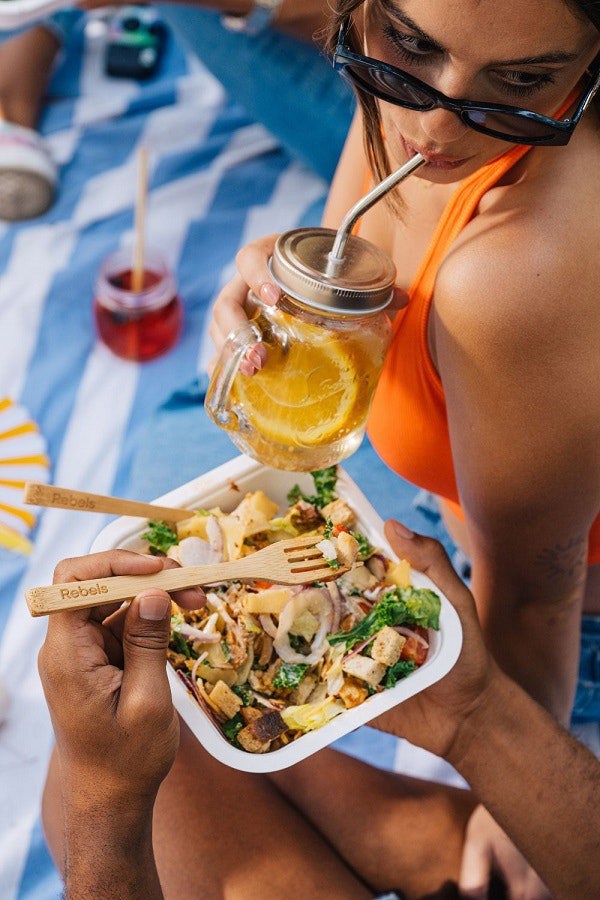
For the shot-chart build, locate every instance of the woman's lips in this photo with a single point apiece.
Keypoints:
(434, 160)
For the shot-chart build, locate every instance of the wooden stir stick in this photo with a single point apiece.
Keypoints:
(51, 495)
(137, 268)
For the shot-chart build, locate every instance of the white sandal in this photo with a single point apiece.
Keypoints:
(28, 175)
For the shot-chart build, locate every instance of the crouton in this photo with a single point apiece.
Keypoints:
(360, 578)
(263, 681)
(352, 693)
(301, 694)
(366, 669)
(339, 513)
(304, 516)
(228, 702)
(347, 549)
(348, 622)
(249, 713)
(387, 646)
(268, 726)
(266, 650)
(248, 741)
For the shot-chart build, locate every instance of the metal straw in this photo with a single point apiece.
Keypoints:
(365, 203)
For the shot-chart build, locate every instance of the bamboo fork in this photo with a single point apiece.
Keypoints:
(295, 561)
(64, 498)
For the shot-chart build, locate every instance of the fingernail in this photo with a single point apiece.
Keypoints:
(269, 293)
(261, 352)
(247, 368)
(255, 359)
(153, 607)
(402, 531)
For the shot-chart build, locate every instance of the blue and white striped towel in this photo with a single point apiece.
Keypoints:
(217, 180)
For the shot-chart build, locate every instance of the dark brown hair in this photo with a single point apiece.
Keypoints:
(374, 143)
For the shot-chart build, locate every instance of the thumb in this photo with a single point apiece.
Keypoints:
(427, 555)
(145, 640)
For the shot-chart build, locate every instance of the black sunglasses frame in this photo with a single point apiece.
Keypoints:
(561, 129)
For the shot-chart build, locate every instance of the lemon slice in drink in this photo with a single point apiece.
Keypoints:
(305, 395)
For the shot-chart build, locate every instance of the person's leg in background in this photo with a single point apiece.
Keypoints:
(283, 82)
(27, 59)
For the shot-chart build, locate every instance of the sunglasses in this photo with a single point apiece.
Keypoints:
(508, 123)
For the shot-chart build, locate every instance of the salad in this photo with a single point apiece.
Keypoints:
(268, 662)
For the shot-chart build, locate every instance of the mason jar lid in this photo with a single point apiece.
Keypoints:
(360, 283)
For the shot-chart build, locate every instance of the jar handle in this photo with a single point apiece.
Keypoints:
(217, 396)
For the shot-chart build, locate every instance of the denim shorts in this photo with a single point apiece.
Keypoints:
(587, 698)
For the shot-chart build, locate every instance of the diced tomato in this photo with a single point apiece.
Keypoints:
(414, 650)
(263, 585)
(337, 530)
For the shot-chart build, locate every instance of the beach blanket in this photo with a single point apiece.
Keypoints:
(217, 180)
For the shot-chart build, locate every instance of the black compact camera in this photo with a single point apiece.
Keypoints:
(135, 43)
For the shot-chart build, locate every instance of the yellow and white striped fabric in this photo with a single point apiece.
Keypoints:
(22, 458)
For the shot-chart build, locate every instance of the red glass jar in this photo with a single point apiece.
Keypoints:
(137, 325)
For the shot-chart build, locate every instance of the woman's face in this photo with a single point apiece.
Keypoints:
(526, 53)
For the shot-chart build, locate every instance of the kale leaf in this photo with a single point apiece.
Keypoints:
(232, 727)
(364, 547)
(160, 536)
(398, 606)
(180, 645)
(325, 481)
(289, 676)
(399, 670)
(244, 692)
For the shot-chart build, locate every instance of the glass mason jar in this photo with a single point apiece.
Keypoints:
(326, 340)
(137, 325)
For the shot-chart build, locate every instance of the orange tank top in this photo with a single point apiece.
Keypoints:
(408, 424)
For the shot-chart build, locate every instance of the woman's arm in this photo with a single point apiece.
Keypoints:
(518, 367)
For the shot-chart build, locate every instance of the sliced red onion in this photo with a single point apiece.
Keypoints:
(263, 701)
(218, 605)
(377, 566)
(319, 603)
(215, 536)
(193, 688)
(360, 647)
(336, 603)
(206, 637)
(198, 663)
(193, 551)
(374, 594)
(407, 632)
(268, 625)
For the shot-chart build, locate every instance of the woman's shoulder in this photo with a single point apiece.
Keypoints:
(530, 257)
